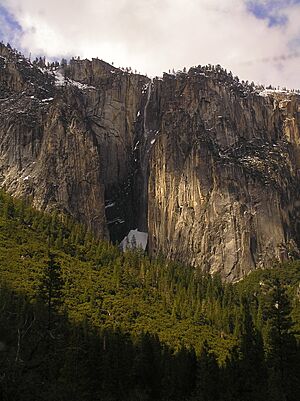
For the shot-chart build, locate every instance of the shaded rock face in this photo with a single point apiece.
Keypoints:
(69, 145)
(48, 154)
(112, 108)
(207, 166)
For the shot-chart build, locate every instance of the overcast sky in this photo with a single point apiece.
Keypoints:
(256, 39)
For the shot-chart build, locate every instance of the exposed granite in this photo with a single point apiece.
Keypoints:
(224, 176)
(205, 164)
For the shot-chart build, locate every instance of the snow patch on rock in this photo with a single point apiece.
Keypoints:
(134, 239)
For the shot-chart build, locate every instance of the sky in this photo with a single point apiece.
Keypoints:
(257, 40)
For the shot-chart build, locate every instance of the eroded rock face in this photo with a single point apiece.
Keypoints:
(224, 176)
(67, 138)
(113, 104)
(209, 167)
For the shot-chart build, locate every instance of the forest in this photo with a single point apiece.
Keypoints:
(81, 320)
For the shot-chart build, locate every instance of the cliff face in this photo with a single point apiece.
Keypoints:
(68, 144)
(209, 167)
(224, 175)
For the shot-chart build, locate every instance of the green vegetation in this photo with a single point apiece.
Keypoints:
(82, 320)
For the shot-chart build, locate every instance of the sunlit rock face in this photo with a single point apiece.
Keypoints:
(209, 167)
(224, 175)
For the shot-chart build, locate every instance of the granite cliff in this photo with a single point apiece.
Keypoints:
(67, 136)
(208, 166)
(224, 174)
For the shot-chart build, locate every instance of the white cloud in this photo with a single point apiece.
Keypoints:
(156, 35)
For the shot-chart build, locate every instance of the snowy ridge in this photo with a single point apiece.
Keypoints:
(61, 80)
(268, 92)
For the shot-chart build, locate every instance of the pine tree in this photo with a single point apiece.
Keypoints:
(51, 286)
(207, 382)
(252, 374)
(280, 344)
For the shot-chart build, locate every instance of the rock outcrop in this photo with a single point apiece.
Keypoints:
(224, 175)
(68, 144)
(208, 166)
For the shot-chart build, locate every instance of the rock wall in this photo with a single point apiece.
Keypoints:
(207, 165)
(113, 107)
(224, 175)
(67, 138)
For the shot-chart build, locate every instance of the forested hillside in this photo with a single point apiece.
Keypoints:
(81, 320)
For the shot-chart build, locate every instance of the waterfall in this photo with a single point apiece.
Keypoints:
(146, 106)
(144, 164)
